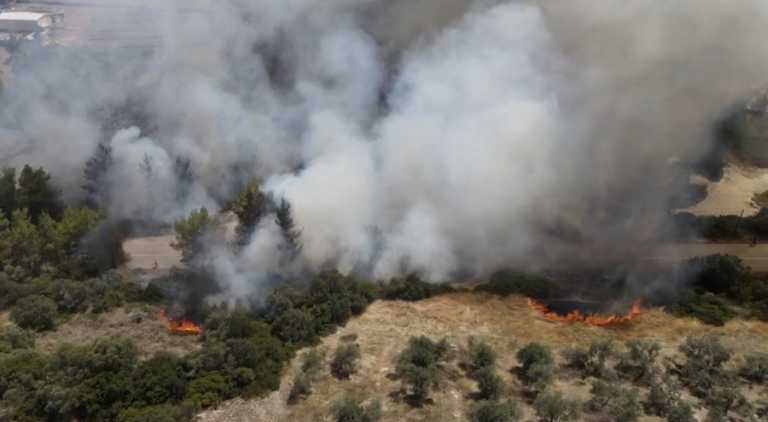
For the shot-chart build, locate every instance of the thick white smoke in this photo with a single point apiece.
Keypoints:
(451, 138)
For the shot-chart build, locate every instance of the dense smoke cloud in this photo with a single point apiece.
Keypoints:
(452, 138)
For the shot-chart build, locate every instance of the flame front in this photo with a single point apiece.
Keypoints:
(592, 319)
(180, 327)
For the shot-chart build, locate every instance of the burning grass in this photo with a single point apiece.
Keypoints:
(180, 326)
(505, 323)
(577, 316)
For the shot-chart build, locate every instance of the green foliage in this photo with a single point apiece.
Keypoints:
(301, 387)
(191, 234)
(411, 288)
(36, 194)
(419, 366)
(349, 410)
(720, 274)
(35, 312)
(494, 411)
(311, 365)
(209, 390)
(7, 191)
(12, 338)
(703, 367)
(618, 403)
(96, 185)
(490, 385)
(590, 362)
(159, 380)
(708, 308)
(681, 412)
(551, 406)
(638, 363)
(344, 362)
(726, 397)
(755, 368)
(312, 361)
(295, 326)
(664, 395)
(507, 283)
(161, 413)
(536, 363)
(480, 355)
(250, 206)
(291, 235)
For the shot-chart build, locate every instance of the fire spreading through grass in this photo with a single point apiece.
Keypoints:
(182, 327)
(590, 319)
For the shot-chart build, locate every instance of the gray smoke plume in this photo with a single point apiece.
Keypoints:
(447, 137)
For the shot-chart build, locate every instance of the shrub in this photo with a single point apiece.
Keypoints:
(755, 368)
(551, 406)
(505, 283)
(490, 385)
(708, 308)
(160, 413)
(590, 362)
(419, 366)
(681, 412)
(344, 362)
(312, 361)
(493, 411)
(12, 338)
(619, 403)
(209, 390)
(703, 368)
(719, 274)
(35, 312)
(479, 355)
(295, 326)
(349, 410)
(301, 387)
(663, 396)
(726, 397)
(638, 363)
(158, 380)
(411, 288)
(537, 363)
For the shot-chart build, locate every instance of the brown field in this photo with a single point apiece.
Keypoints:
(138, 322)
(506, 323)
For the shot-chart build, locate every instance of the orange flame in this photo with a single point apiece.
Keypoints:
(592, 319)
(180, 327)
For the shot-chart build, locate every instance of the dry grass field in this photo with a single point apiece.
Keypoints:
(506, 323)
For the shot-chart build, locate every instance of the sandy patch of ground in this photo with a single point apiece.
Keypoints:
(506, 323)
(139, 322)
(733, 194)
(153, 253)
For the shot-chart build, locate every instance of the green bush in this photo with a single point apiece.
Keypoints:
(35, 312)
(708, 308)
(161, 413)
(551, 406)
(159, 380)
(480, 355)
(349, 410)
(719, 274)
(419, 366)
(507, 283)
(664, 394)
(755, 368)
(619, 403)
(703, 367)
(494, 411)
(590, 362)
(638, 363)
(490, 385)
(209, 390)
(12, 338)
(344, 362)
(411, 288)
(301, 387)
(537, 363)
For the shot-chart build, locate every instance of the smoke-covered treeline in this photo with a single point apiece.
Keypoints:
(443, 137)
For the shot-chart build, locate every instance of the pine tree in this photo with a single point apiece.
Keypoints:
(284, 220)
(250, 207)
(36, 194)
(8, 192)
(95, 172)
(185, 177)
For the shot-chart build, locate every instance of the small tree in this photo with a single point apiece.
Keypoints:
(536, 365)
(36, 194)
(250, 206)
(349, 410)
(291, 235)
(345, 359)
(95, 172)
(663, 396)
(618, 403)
(185, 178)
(703, 367)
(638, 363)
(8, 191)
(490, 385)
(480, 355)
(35, 312)
(551, 406)
(191, 234)
(419, 366)
(493, 411)
(590, 362)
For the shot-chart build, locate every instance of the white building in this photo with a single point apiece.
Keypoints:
(24, 21)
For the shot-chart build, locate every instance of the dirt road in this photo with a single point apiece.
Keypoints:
(144, 252)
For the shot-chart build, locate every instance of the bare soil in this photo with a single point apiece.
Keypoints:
(506, 323)
(734, 193)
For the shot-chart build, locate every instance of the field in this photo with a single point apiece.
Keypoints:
(505, 323)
